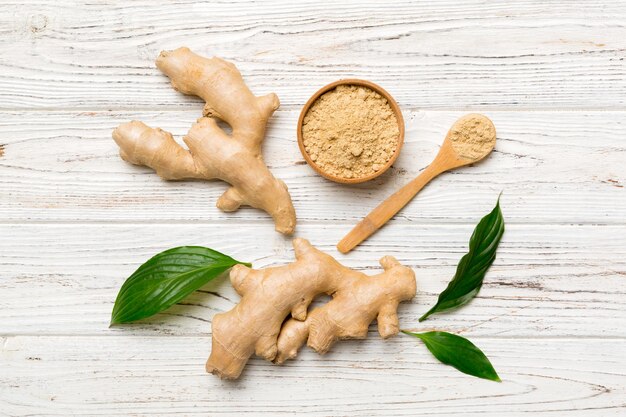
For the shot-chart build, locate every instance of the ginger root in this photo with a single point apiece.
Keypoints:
(235, 159)
(270, 295)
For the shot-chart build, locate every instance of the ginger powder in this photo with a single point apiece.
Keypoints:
(350, 132)
(473, 136)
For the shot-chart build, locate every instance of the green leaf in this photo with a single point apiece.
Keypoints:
(166, 279)
(458, 352)
(473, 266)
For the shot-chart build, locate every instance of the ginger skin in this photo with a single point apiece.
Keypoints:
(270, 295)
(213, 154)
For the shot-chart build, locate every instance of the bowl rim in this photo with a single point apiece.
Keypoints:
(363, 83)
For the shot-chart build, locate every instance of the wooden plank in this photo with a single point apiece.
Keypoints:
(554, 167)
(447, 54)
(111, 376)
(547, 280)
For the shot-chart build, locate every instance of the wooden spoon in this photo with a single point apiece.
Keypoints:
(470, 139)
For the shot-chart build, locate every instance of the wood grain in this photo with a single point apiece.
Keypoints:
(447, 54)
(553, 167)
(148, 376)
(63, 279)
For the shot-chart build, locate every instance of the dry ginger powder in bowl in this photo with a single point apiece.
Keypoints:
(350, 132)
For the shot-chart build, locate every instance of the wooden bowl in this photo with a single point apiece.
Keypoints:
(371, 86)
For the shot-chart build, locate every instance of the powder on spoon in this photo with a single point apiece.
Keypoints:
(473, 136)
(350, 132)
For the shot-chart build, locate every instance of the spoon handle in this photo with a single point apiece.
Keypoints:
(387, 209)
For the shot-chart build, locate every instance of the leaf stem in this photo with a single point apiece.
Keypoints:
(427, 314)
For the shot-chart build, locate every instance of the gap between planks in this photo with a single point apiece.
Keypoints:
(199, 105)
(373, 333)
(399, 219)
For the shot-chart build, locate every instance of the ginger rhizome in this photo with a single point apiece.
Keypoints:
(270, 295)
(235, 158)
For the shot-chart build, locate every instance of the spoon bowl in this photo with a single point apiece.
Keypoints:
(470, 139)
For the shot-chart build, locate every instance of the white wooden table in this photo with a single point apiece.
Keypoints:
(75, 220)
